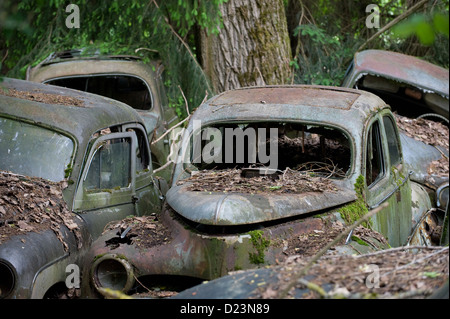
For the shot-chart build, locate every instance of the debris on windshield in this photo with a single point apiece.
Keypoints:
(253, 180)
(31, 204)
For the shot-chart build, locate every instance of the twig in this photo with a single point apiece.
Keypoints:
(185, 101)
(416, 261)
(316, 257)
(394, 22)
(170, 130)
(151, 50)
(312, 286)
(398, 249)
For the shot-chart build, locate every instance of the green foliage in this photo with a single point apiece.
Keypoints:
(325, 35)
(323, 59)
(424, 27)
(33, 29)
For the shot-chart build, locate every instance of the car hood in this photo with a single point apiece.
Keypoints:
(418, 156)
(218, 208)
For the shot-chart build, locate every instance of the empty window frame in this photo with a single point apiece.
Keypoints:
(124, 88)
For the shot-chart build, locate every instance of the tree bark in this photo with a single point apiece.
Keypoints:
(251, 48)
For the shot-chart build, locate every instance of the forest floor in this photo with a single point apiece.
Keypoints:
(397, 273)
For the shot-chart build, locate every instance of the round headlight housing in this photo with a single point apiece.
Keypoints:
(7, 279)
(112, 272)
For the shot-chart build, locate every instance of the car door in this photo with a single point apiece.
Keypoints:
(116, 181)
(149, 193)
(386, 180)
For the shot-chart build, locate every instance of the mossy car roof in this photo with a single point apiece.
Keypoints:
(80, 120)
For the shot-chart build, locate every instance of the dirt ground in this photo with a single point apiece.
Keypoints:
(406, 272)
(32, 204)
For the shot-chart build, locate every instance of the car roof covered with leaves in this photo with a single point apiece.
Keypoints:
(77, 113)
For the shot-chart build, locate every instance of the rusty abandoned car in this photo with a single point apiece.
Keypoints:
(411, 86)
(70, 163)
(121, 77)
(262, 172)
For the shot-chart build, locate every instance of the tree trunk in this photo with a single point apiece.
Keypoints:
(252, 47)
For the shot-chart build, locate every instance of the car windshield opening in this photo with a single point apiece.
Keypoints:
(33, 150)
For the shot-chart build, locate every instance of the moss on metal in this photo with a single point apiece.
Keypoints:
(260, 244)
(354, 211)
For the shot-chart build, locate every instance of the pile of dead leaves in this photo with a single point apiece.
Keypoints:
(405, 272)
(427, 131)
(31, 204)
(307, 245)
(47, 98)
(142, 231)
(233, 180)
(439, 167)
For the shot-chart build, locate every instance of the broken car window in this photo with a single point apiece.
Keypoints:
(110, 166)
(374, 156)
(32, 150)
(393, 144)
(142, 152)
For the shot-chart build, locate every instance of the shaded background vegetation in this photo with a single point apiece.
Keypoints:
(324, 36)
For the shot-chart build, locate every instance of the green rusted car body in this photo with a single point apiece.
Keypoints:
(98, 147)
(120, 77)
(215, 231)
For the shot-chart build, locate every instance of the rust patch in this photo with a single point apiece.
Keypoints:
(289, 95)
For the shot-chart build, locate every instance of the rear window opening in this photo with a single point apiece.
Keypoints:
(404, 99)
(276, 147)
(127, 89)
